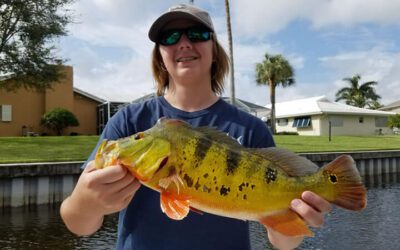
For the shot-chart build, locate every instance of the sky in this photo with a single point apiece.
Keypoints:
(324, 40)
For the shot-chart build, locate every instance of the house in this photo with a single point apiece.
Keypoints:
(319, 116)
(21, 111)
(393, 107)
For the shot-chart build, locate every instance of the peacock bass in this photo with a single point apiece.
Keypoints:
(202, 169)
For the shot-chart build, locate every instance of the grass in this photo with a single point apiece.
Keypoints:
(302, 144)
(46, 148)
(78, 148)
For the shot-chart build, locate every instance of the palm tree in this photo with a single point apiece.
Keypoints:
(232, 72)
(358, 95)
(273, 71)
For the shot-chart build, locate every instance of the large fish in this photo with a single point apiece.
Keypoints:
(202, 169)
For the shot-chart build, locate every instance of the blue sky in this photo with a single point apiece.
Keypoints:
(325, 41)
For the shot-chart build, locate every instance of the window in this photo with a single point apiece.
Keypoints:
(5, 113)
(302, 122)
(336, 121)
(381, 121)
(283, 122)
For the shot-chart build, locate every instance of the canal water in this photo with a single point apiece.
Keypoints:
(377, 227)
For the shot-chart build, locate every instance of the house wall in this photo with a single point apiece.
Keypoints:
(28, 106)
(350, 126)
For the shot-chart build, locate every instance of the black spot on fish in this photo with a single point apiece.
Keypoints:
(224, 191)
(333, 178)
(189, 180)
(241, 187)
(270, 175)
(232, 161)
(202, 146)
(205, 175)
(216, 188)
(245, 197)
(197, 185)
(247, 184)
(253, 186)
(213, 170)
(206, 189)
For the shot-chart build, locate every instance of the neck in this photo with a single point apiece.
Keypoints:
(190, 97)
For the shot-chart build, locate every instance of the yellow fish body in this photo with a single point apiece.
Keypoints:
(202, 169)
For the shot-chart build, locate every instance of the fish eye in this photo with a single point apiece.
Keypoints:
(138, 136)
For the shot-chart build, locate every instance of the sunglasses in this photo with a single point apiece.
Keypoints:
(194, 34)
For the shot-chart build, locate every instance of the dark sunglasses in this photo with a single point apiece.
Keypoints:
(194, 34)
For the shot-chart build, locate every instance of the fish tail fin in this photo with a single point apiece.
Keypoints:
(349, 191)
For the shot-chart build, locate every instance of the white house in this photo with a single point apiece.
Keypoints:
(318, 115)
(393, 107)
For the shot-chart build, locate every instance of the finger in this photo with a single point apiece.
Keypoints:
(117, 186)
(91, 166)
(110, 174)
(128, 192)
(317, 202)
(311, 216)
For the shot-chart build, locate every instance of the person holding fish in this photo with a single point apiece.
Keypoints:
(209, 183)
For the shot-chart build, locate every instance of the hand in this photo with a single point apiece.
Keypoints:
(98, 192)
(312, 209)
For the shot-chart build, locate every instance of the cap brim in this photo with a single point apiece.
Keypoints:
(159, 24)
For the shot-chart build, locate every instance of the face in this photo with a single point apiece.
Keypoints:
(187, 60)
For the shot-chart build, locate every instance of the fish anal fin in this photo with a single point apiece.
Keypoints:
(196, 210)
(287, 223)
(174, 207)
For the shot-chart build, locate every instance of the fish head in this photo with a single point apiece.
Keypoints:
(143, 154)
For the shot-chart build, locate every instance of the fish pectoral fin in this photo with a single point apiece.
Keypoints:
(175, 178)
(287, 223)
(174, 207)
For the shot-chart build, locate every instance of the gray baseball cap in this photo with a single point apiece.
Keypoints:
(181, 11)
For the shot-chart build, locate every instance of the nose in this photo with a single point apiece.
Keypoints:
(184, 42)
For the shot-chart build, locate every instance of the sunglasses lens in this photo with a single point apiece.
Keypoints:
(170, 38)
(198, 35)
(195, 34)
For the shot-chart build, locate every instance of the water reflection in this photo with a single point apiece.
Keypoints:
(377, 227)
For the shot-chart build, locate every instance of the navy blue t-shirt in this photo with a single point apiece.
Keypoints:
(142, 225)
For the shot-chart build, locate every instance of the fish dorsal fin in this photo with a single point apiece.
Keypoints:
(291, 163)
(218, 136)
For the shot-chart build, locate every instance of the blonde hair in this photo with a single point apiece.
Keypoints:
(219, 69)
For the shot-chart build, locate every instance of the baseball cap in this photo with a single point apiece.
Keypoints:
(181, 11)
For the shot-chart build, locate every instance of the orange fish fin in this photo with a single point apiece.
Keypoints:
(350, 191)
(287, 223)
(174, 207)
(196, 210)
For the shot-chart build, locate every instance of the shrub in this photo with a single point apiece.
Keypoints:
(394, 121)
(58, 119)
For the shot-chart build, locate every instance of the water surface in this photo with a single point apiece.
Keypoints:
(377, 227)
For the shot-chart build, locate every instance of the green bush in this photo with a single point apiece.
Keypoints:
(59, 119)
(394, 121)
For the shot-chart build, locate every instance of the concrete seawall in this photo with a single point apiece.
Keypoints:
(32, 184)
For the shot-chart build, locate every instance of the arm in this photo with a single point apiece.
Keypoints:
(311, 208)
(97, 193)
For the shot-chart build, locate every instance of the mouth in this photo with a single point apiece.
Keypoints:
(186, 59)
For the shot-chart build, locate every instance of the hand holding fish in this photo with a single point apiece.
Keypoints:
(311, 209)
(98, 193)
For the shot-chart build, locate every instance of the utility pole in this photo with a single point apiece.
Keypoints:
(232, 72)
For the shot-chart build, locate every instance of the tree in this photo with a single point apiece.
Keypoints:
(27, 28)
(273, 71)
(358, 95)
(232, 71)
(394, 121)
(58, 119)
